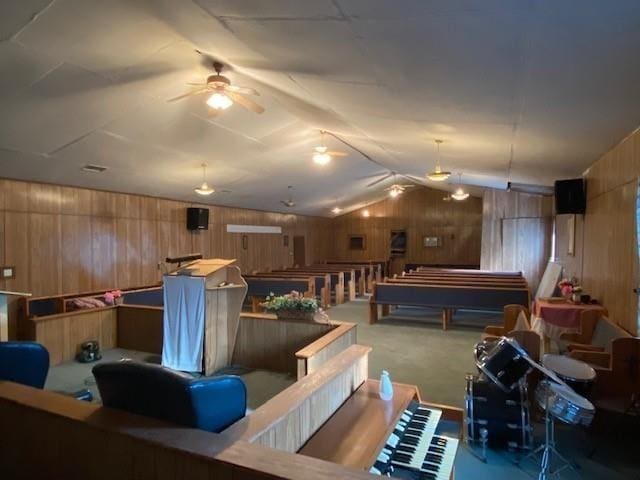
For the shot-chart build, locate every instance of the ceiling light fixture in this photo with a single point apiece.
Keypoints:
(459, 194)
(395, 191)
(336, 210)
(438, 175)
(219, 101)
(204, 189)
(365, 213)
(321, 157)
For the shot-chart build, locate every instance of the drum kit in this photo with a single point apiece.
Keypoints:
(497, 408)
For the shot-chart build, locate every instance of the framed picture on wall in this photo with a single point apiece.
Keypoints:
(430, 242)
(357, 242)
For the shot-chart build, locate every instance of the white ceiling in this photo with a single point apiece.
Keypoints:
(527, 90)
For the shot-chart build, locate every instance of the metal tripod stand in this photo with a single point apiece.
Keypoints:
(548, 449)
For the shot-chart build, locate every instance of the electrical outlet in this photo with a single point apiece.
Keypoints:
(8, 272)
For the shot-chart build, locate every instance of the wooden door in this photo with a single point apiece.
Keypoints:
(299, 254)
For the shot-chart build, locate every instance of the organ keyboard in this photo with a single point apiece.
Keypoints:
(414, 450)
(400, 438)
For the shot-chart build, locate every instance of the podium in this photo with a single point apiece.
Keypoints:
(224, 294)
(4, 312)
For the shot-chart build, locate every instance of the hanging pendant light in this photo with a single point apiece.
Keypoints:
(438, 175)
(459, 193)
(204, 189)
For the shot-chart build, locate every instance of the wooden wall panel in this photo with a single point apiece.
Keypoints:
(65, 239)
(606, 256)
(516, 233)
(421, 212)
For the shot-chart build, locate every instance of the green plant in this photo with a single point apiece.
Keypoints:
(290, 301)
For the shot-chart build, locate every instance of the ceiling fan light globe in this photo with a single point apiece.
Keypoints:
(204, 189)
(321, 158)
(459, 195)
(219, 101)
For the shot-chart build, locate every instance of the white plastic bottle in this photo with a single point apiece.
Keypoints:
(386, 388)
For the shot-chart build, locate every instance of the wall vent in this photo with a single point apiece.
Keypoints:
(94, 168)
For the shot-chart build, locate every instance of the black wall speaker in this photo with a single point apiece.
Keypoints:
(571, 196)
(197, 218)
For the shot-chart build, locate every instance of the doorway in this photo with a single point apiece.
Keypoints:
(299, 254)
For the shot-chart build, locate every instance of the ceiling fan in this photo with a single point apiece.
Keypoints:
(224, 94)
(321, 153)
(396, 190)
(289, 202)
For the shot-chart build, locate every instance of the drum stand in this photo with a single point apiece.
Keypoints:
(548, 449)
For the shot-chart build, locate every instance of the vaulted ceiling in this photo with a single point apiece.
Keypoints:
(521, 90)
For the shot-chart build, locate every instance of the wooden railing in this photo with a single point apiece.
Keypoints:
(290, 418)
(50, 436)
(311, 357)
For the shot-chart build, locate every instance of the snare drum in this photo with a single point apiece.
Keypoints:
(578, 375)
(482, 349)
(506, 364)
(564, 404)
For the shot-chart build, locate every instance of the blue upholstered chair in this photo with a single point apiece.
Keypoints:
(210, 404)
(24, 362)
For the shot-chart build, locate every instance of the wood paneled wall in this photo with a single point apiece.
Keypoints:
(421, 212)
(516, 233)
(66, 239)
(609, 270)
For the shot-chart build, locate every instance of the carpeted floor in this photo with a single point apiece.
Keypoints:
(412, 346)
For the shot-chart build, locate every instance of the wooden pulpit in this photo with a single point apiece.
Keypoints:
(225, 291)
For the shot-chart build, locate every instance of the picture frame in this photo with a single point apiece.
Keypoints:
(431, 241)
(357, 242)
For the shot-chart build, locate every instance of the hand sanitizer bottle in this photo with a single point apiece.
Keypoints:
(386, 389)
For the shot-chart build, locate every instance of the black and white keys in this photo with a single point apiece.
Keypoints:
(434, 464)
(414, 451)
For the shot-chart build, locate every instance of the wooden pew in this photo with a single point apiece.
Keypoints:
(322, 282)
(446, 297)
(337, 279)
(261, 287)
(456, 281)
(376, 270)
(357, 273)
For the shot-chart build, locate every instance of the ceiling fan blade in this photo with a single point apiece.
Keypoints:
(242, 90)
(245, 102)
(338, 154)
(381, 179)
(192, 84)
(185, 95)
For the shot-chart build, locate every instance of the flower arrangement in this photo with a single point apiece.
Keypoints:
(569, 287)
(291, 305)
(112, 297)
